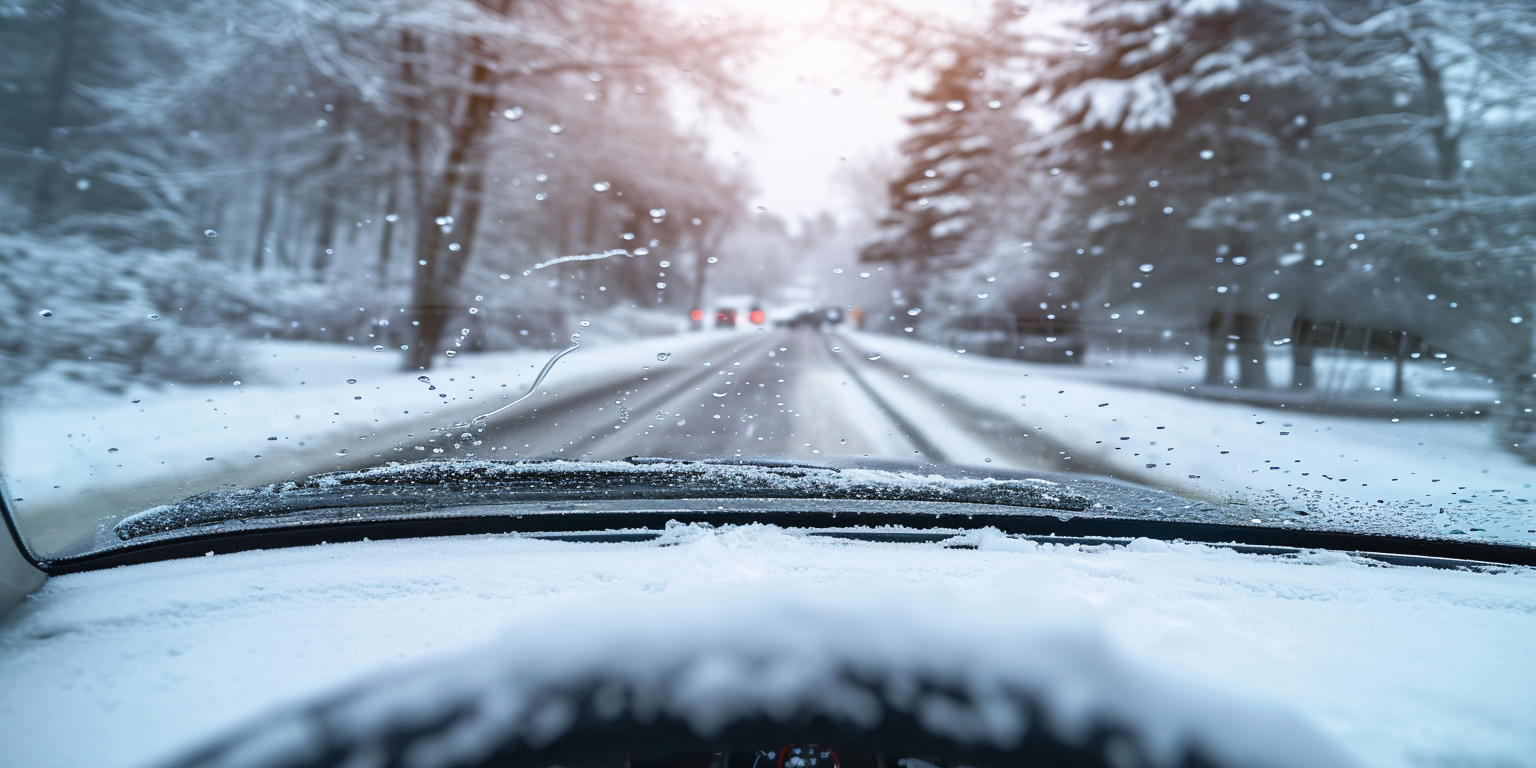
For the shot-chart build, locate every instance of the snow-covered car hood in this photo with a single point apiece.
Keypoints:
(1184, 643)
(713, 656)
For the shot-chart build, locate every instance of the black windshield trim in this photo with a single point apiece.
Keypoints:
(516, 518)
(14, 531)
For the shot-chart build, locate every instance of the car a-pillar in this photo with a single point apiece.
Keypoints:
(18, 577)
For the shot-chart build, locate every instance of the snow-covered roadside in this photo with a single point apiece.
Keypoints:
(72, 454)
(1371, 473)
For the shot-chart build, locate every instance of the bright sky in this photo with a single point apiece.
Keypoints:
(816, 103)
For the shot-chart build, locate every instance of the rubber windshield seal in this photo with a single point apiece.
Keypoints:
(628, 515)
(14, 531)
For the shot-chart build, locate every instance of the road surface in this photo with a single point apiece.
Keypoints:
(795, 394)
(800, 395)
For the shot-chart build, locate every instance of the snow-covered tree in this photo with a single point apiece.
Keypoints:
(321, 154)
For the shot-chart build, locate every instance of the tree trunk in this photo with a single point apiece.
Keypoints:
(211, 209)
(467, 223)
(264, 223)
(325, 233)
(433, 283)
(58, 90)
(1447, 138)
(415, 145)
(387, 232)
(1303, 352)
(281, 253)
(1398, 361)
(1216, 349)
(1250, 351)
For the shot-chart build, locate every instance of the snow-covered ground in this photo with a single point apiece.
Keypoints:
(1341, 378)
(69, 450)
(1400, 666)
(1372, 473)
(79, 458)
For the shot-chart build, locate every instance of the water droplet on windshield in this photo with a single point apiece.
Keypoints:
(718, 394)
(393, 217)
(343, 452)
(585, 323)
(210, 233)
(556, 128)
(915, 311)
(45, 313)
(837, 349)
(515, 113)
(153, 316)
(378, 347)
(1206, 154)
(872, 356)
(111, 450)
(1082, 45)
(424, 379)
(955, 106)
(450, 353)
(601, 186)
(1145, 268)
(662, 356)
(706, 365)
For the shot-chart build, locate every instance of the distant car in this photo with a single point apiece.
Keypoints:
(818, 318)
(725, 317)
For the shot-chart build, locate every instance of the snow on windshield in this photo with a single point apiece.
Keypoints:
(1287, 274)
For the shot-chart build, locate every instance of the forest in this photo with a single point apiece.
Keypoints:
(1267, 171)
(338, 170)
(184, 174)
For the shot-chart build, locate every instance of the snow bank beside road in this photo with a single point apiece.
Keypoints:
(72, 454)
(1363, 473)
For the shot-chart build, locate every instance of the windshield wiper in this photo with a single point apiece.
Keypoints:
(634, 499)
(436, 485)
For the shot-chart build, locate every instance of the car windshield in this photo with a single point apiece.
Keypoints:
(1276, 258)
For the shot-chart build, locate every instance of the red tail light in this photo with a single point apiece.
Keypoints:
(756, 317)
(697, 315)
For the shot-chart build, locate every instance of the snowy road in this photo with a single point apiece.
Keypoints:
(765, 393)
(778, 394)
(806, 395)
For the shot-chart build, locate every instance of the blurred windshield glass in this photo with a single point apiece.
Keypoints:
(1274, 255)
